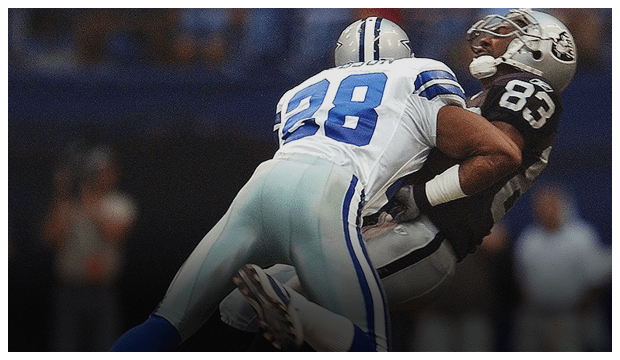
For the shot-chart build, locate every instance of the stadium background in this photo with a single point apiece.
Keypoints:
(187, 99)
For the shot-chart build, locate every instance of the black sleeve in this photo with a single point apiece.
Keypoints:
(532, 107)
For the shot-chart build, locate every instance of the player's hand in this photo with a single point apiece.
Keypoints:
(405, 207)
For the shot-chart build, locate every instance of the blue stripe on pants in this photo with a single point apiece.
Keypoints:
(361, 274)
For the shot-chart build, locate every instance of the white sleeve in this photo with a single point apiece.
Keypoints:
(438, 83)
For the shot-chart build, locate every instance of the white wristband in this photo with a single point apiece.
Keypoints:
(445, 187)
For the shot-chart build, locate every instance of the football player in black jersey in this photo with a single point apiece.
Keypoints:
(523, 60)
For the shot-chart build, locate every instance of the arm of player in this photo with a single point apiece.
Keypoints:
(487, 153)
(407, 198)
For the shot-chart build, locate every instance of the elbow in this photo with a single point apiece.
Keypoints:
(510, 144)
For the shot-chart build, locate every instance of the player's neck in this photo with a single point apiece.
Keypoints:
(486, 83)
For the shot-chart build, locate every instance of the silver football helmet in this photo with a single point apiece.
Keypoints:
(542, 46)
(372, 38)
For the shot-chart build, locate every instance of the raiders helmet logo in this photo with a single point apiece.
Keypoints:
(563, 47)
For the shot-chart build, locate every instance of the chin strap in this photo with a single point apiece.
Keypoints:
(523, 67)
(486, 65)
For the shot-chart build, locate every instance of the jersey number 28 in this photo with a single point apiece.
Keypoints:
(351, 117)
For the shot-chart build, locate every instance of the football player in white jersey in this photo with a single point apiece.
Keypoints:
(523, 69)
(346, 136)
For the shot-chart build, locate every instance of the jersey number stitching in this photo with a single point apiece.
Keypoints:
(516, 96)
(509, 194)
(352, 117)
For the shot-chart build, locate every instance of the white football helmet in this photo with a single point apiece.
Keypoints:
(372, 38)
(543, 46)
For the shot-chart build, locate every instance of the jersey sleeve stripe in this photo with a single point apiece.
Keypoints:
(432, 83)
(429, 75)
(442, 89)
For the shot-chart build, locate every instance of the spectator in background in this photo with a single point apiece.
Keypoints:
(395, 15)
(318, 29)
(316, 34)
(236, 43)
(92, 31)
(473, 312)
(435, 31)
(560, 267)
(208, 36)
(42, 39)
(86, 226)
(70, 40)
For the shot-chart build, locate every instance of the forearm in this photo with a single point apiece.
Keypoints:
(486, 152)
(479, 172)
(473, 175)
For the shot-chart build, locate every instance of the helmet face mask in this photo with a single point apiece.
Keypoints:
(503, 27)
(542, 44)
(372, 38)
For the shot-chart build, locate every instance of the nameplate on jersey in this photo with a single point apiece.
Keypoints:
(362, 63)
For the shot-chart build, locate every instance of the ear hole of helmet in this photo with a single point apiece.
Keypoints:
(537, 54)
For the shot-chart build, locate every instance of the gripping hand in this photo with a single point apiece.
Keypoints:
(405, 207)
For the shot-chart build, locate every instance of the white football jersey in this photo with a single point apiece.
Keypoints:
(378, 119)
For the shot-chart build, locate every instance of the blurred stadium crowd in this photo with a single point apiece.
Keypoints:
(235, 42)
(186, 97)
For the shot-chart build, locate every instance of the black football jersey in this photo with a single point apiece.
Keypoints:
(530, 105)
